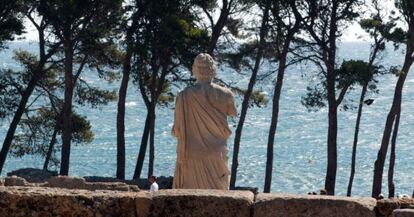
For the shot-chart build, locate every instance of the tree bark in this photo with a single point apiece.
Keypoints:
(382, 153)
(143, 146)
(16, 119)
(275, 117)
(356, 133)
(330, 179)
(372, 58)
(155, 92)
(120, 119)
(67, 109)
(272, 132)
(391, 186)
(217, 29)
(37, 75)
(152, 148)
(248, 93)
(393, 115)
(51, 147)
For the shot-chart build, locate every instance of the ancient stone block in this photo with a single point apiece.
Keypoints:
(45, 202)
(281, 205)
(33, 175)
(201, 203)
(80, 183)
(66, 182)
(403, 213)
(387, 206)
(16, 181)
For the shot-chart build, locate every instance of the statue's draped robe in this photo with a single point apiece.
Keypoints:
(201, 128)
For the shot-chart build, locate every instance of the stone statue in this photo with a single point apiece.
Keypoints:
(200, 125)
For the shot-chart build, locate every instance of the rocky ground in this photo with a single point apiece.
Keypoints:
(33, 175)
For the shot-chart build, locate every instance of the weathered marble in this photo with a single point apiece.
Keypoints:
(201, 203)
(201, 129)
(275, 205)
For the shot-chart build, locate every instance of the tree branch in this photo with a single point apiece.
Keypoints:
(342, 94)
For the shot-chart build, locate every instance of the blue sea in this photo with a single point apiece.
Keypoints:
(300, 145)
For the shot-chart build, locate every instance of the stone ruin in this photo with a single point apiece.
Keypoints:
(72, 196)
(70, 183)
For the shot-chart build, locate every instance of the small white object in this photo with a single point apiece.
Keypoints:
(404, 196)
(154, 187)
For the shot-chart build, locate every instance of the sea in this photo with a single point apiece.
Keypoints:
(300, 157)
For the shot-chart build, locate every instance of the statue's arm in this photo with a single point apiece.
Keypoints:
(177, 116)
(231, 107)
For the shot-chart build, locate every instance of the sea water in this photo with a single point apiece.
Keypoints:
(300, 145)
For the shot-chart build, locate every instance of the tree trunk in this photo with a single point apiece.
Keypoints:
(51, 147)
(120, 119)
(155, 96)
(275, 116)
(354, 146)
(382, 153)
(17, 116)
(37, 75)
(143, 147)
(152, 148)
(358, 120)
(332, 152)
(248, 93)
(330, 179)
(392, 115)
(330, 51)
(217, 29)
(391, 186)
(67, 110)
(155, 92)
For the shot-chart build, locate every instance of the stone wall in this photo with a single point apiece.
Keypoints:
(275, 205)
(396, 207)
(45, 201)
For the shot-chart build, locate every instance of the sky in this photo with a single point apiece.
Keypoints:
(353, 32)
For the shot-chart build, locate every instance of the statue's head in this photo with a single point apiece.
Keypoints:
(204, 68)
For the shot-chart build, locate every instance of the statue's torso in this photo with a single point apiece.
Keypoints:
(205, 110)
(219, 97)
(202, 131)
